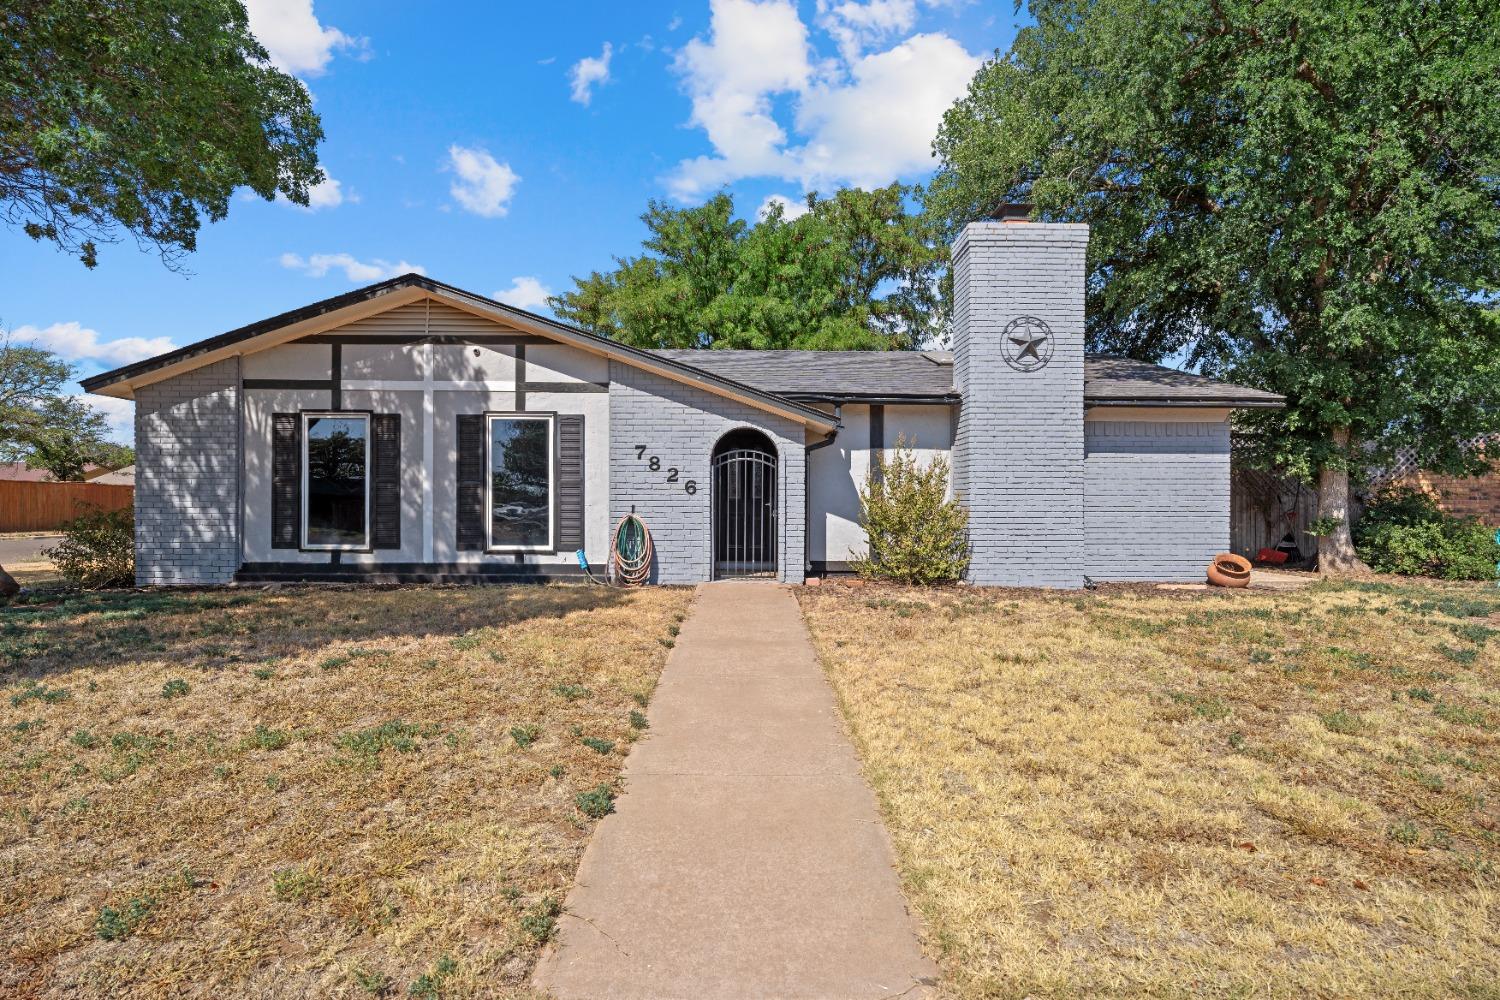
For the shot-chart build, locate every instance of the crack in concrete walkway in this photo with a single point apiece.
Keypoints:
(746, 857)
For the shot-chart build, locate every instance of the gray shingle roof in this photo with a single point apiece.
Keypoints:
(928, 376)
(828, 375)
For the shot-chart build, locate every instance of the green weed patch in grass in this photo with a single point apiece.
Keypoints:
(176, 688)
(394, 735)
(37, 691)
(1461, 716)
(429, 985)
(116, 925)
(265, 738)
(1458, 654)
(525, 736)
(295, 885)
(540, 920)
(596, 803)
(1342, 722)
(597, 745)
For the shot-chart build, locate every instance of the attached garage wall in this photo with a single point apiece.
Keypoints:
(1156, 497)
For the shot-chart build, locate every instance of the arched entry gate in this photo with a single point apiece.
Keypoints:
(744, 506)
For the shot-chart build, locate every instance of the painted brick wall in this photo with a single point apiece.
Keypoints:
(1018, 455)
(1157, 498)
(680, 424)
(187, 458)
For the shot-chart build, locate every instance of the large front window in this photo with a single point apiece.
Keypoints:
(520, 482)
(336, 464)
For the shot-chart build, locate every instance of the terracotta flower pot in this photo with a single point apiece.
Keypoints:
(1229, 570)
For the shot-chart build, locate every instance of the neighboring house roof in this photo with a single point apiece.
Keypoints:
(927, 377)
(119, 477)
(780, 381)
(17, 472)
(384, 295)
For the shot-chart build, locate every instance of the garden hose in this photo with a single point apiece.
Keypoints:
(630, 552)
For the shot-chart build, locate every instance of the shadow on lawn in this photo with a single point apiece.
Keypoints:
(226, 629)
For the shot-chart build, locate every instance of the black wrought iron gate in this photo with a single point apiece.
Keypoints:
(744, 513)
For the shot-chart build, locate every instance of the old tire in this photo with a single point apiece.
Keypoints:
(1229, 570)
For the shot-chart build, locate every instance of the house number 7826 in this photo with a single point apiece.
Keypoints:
(689, 486)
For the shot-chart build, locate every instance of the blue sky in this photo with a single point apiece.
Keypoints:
(507, 147)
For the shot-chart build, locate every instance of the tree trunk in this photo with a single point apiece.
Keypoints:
(1336, 555)
(8, 585)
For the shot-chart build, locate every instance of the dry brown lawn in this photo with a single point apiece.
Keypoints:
(1136, 792)
(306, 792)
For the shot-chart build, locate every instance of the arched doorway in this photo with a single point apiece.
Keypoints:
(744, 505)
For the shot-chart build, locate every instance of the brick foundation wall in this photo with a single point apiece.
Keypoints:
(187, 457)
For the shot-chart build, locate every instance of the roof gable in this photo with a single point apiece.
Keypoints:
(371, 300)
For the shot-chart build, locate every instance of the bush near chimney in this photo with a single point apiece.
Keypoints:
(917, 533)
(98, 549)
(1404, 531)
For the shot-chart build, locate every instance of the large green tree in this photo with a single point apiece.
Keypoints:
(142, 117)
(1299, 194)
(42, 425)
(856, 271)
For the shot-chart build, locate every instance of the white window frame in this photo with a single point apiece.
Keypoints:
(489, 481)
(307, 417)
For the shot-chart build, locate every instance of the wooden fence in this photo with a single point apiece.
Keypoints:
(1263, 507)
(47, 506)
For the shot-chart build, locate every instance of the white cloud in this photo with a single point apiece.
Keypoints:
(880, 125)
(484, 186)
(791, 208)
(327, 193)
(297, 41)
(75, 342)
(856, 26)
(319, 264)
(118, 413)
(754, 52)
(861, 119)
(590, 72)
(525, 292)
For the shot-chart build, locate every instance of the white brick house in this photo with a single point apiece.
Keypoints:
(412, 430)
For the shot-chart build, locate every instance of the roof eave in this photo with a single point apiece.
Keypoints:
(1235, 403)
(887, 399)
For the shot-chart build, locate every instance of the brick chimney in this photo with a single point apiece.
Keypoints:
(1018, 340)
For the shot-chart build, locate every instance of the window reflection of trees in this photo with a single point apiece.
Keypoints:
(336, 472)
(335, 456)
(519, 482)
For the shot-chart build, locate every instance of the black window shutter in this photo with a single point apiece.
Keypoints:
(385, 500)
(470, 521)
(569, 482)
(286, 481)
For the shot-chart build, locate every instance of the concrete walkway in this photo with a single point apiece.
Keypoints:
(746, 858)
